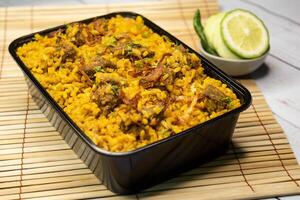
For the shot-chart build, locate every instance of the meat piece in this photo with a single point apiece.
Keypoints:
(107, 97)
(84, 36)
(192, 62)
(167, 78)
(156, 119)
(107, 103)
(214, 99)
(79, 40)
(137, 52)
(141, 68)
(68, 50)
(132, 51)
(99, 61)
(138, 72)
(89, 71)
(152, 105)
(69, 53)
(132, 102)
(149, 104)
(131, 128)
(149, 80)
(99, 64)
(213, 93)
(100, 25)
(86, 73)
(179, 75)
(125, 48)
(117, 49)
(122, 42)
(79, 37)
(149, 108)
(107, 94)
(87, 78)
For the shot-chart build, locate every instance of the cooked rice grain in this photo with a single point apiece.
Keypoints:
(124, 85)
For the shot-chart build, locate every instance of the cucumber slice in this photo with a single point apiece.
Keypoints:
(209, 29)
(217, 40)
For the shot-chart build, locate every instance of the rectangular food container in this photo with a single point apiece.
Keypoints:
(129, 172)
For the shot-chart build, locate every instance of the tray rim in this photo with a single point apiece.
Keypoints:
(222, 76)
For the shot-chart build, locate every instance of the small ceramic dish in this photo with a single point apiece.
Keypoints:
(234, 67)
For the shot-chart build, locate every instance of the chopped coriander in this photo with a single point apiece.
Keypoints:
(99, 69)
(227, 100)
(139, 63)
(115, 89)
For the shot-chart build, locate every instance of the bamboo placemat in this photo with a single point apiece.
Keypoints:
(36, 163)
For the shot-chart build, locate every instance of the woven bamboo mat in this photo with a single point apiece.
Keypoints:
(36, 163)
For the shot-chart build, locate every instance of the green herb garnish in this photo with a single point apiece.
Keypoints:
(227, 101)
(115, 89)
(99, 69)
(200, 32)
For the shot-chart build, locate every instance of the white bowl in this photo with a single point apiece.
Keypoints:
(235, 67)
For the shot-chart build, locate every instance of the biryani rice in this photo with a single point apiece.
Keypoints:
(124, 85)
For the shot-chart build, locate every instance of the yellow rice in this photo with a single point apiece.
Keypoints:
(125, 127)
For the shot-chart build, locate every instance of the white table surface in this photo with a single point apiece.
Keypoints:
(278, 78)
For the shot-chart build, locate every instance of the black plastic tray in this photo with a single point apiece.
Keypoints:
(128, 172)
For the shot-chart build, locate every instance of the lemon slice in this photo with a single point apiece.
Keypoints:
(244, 34)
